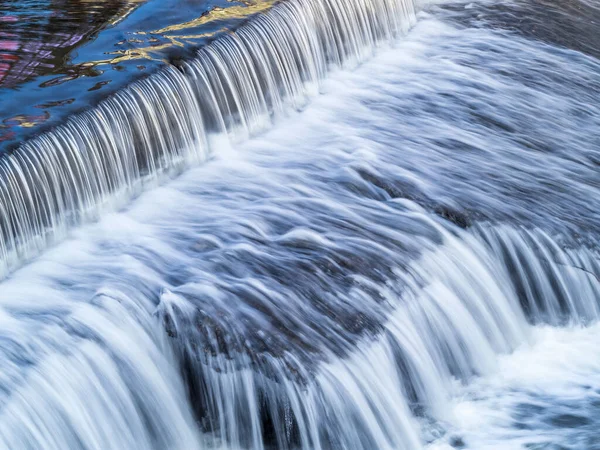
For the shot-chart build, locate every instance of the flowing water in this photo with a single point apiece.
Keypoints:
(348, 225)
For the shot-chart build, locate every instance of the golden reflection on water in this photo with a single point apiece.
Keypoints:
(169, 34)
(219, 13)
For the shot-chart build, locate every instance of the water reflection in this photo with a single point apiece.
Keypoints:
(155, 43)
(37, 39)
(58, 57)
(38, 36)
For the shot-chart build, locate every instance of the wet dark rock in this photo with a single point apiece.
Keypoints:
(457, 442)
(394, 188)
(458, 218)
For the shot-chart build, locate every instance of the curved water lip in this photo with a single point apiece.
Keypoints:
(163, 123)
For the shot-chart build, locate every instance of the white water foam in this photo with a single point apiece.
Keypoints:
(544, 396)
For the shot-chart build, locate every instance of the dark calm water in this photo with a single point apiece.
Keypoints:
(349, 225)
(59, 57)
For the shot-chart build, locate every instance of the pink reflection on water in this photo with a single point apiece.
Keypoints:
(9, 45)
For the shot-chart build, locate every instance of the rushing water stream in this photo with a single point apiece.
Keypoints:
(348, 225)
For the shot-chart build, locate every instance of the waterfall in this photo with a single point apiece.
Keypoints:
(554, 283)
(447, 317)
(329, 293)
(106, 376)
(97, 381)
(161, 124)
